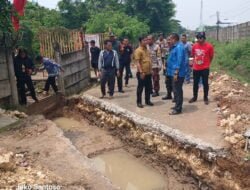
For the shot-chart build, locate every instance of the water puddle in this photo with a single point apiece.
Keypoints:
(67, 123)
(127, 172)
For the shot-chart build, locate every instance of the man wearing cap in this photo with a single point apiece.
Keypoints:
(115, 42)
(203, 53)
(116, 46)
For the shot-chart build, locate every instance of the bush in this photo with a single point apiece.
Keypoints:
(234, 58)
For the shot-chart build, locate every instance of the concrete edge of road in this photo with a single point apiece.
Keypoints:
(13, 125)
(147, 123)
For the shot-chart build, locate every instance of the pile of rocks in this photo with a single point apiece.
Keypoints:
(17, 168)
(228, 91)
(13, 114)
(225, 86)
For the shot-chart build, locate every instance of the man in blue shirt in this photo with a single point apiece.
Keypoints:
(53, 70)
(177, 70)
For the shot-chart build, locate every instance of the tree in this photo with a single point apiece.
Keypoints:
(74, 13)
(5, 16)
(36, 17)
(157, 13)
(97, 6)
(120, 23)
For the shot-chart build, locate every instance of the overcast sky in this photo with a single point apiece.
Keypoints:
(188, 11)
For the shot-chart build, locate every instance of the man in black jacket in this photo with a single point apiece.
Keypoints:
(125, 52)
(24, 67)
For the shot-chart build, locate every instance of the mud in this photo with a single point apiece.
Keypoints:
(213, 168)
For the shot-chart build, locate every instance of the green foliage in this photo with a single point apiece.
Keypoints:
(157, 13)
(121, 24)
(73, 13)
(234, 58)
(97, 6)
(5, 16)
(36, 17)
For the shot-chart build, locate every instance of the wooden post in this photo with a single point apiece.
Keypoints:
(11, 73)
(57, 53)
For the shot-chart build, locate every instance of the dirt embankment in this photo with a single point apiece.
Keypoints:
(213, 168)
(37, 153)
(233, 99)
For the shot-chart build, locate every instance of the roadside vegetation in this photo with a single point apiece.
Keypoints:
(233, 58)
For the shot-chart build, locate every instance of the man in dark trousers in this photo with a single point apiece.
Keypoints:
(177, 70)
(125, 59)
(203, 53)
(108, 65)
(95, 52)
(53, 70)
(168, 78)
(144, 69)
(24, 67)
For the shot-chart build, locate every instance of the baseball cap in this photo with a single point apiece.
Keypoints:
(200, 35)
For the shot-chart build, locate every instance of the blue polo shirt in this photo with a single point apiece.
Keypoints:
(51, 67)
(176, 60)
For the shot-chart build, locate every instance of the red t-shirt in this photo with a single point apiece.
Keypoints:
(203, 55)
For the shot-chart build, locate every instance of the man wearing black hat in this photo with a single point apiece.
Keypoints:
(116, 47)
(115, 42)
(203, 53)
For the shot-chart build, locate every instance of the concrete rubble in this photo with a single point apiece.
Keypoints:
(229, 92)
(13, 114)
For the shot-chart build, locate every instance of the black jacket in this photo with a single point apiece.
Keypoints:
(22, 65)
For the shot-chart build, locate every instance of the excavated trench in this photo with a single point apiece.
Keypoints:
(149, 150)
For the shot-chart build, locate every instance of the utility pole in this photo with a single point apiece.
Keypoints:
(201, 14)
(218, 24)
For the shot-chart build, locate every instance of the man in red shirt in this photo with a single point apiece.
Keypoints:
(203, 53)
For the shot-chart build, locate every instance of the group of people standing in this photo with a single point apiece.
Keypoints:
(111, 62)
(176, 67)
(172, 55)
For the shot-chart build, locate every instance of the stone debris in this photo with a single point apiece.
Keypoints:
(13, 114)
(228, 92)
(234, 138)
(15, 170)
(6, 160)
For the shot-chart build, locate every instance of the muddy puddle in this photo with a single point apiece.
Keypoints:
(127, 172)
(116, 161)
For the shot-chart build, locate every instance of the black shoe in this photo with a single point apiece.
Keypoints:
(139, 105)
(155, 94)
(121, 91)
(206, 101)
(167, 98)
(173, 100)
(149, 104)
(192, 100)
(102, 96)
(175, 112)
(172, 108)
